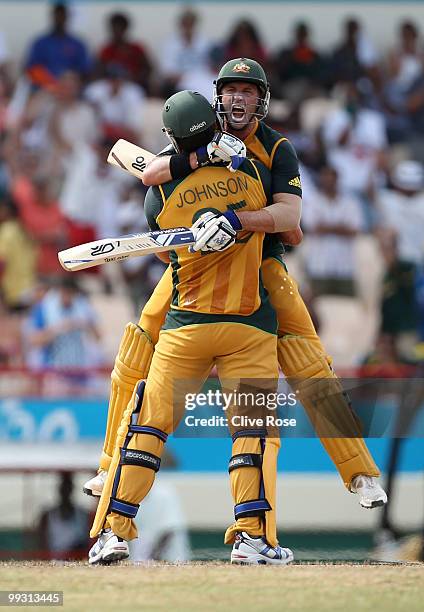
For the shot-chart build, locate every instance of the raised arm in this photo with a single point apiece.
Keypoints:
(158, 171)
(223, 148)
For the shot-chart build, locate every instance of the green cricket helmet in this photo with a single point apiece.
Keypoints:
(189, 120)
(247, 71)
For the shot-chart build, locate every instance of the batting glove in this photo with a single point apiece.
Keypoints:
(215, 232)
(223, 148)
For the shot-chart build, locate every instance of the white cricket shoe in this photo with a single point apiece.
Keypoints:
(95, 485)
(371, 494)
(109, 547)
(256, 551)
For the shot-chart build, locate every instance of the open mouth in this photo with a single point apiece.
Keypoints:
(238, 112)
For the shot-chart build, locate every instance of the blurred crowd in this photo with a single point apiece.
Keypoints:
(354, 113)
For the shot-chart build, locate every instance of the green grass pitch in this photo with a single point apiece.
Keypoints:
(220, 587)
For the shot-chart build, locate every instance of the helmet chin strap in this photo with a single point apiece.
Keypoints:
(171, 138)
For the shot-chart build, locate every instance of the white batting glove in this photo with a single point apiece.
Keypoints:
(223, 148)
(214, 232)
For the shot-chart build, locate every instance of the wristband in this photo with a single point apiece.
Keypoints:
(233, 219)
(179, 165)
(202, 156)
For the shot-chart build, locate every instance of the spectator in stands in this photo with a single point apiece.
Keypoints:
(121, 51)
(29, 131)
(63, 327)
(401, 210)
(332, 219)
(415, 108)
(300, 63)
(91, 194)
(58, 51)
(141, 274)
(355, 138)
(405, 62)
(62, 530)
(399, 309)
(5, 75)
(184, 51)
(118, 103)
(355, 56)
(17, 259)
(405, 68)
(245, 41)
(200, 78)
(42, 219)
(163, 527)
(74, 123)
(75, 130)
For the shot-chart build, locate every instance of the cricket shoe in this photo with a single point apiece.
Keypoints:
(109, 547)
(257, 551)
(95, 485)
(371, 494)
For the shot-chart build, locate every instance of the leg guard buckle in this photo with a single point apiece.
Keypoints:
(130, 456)
(255, 507)
(123, 507)
(250, 433)
(153, 431)
(244, 460)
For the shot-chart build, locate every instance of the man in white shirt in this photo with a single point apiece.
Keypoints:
(402, 209)
(356, 139)
(332, 219)
(185, 51)
(163, 527)
(118, 101)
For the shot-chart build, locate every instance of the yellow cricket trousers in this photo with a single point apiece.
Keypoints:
(241, 353)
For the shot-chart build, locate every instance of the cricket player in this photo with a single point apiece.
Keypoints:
(241, 98)
(219, 316)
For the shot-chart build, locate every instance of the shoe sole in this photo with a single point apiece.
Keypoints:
(91, 492)
(113, 555)
(260, 560)
(375, 504)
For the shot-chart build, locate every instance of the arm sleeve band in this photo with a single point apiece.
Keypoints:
(179, 166)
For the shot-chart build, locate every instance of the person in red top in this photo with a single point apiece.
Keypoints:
(300, 61)
(132, 56)
(245, 41)
(43, 220)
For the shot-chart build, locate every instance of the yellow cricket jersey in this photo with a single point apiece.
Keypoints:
(225, 284)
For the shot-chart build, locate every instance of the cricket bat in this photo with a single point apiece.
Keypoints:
(116, 249)
(129, 157)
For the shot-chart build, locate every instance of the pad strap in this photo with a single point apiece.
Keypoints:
(153, 431)
(244, 460)
(139, 395)
(131, 456)
(123, 507)
(249, 433)
(254, 507)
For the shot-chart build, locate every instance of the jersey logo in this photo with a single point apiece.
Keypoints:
(241, 67)
(295, 182)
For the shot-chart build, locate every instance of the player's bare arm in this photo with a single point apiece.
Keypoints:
(158, 171)
(283, 215)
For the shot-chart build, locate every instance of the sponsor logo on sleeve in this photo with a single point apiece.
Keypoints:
(295, 182)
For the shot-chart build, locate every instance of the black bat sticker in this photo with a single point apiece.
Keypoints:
(103, 249)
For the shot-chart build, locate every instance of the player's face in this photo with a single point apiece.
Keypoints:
(240, 101)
